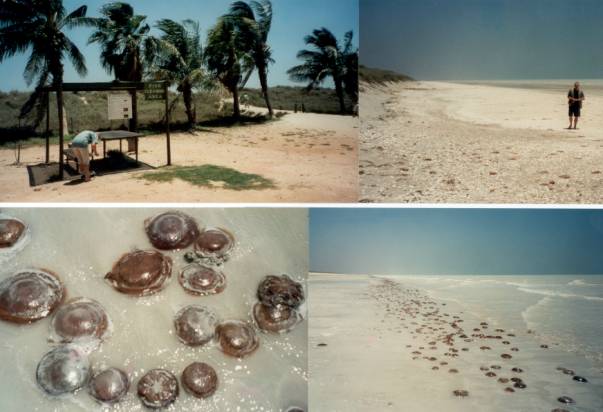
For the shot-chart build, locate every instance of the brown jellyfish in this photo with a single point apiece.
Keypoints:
(198, 279)
(109, 386)
(280, 290)
(236, 338)
(30, 295)
(158, 388)
(62, 370)
(11, 230)
(195, 325)
(79, 319)
(278, 319)
(460, 393)
(200, 380)
(171, 230)
(140, 273)
(214, 243)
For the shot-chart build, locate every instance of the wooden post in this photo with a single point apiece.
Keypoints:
(167, 125)
(47, 127)
(134, 120)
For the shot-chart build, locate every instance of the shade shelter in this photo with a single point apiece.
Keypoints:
(155, 90)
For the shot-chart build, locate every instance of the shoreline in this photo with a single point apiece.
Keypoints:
(400, 335)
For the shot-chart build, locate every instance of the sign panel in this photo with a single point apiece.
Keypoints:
(154, 91)
(120, 106)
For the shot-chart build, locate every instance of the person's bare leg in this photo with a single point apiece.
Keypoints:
(86, 171)
(575, 122)
(570, 126)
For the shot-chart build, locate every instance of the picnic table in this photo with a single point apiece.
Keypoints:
(119, 135)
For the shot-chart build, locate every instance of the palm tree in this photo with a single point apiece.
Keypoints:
(122, 36)
(327, 59)
(179, 59)
(226, 57)
(254, 21)
(39, 25)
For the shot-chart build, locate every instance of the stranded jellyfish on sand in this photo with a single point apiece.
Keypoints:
(158, 388)
(200, 380)
(198, 279)
(140, 273)
(171, 230)
(109, 386)
(195, 325)
(80, 319)
(11, 230)
(214, 244)
(236, 338)
(62, 370)
(279, 297)
(30, 295)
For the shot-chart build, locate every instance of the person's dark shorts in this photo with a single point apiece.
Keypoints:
(574, 110)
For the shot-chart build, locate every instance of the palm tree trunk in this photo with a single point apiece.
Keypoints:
(339, 91)
(57, 78)
(235, 103)
(264, 85)
(187, 96)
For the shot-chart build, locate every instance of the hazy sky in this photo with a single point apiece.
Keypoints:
(484, 39)
(456, 241)
(292, 21)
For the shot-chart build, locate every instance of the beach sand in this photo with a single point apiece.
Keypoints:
(464, 143)
(310, 157)
(384, 344)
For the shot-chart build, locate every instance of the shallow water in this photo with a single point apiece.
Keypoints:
(589, 86)
(81, 245)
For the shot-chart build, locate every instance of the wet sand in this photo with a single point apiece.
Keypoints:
(310, 158)
(432, 142)
(397, 348)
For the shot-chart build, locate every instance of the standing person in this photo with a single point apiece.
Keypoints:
(79, 145)
(575, 97)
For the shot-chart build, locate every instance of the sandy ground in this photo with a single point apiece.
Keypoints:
(390, 346)
(435, 142)
(310, 157)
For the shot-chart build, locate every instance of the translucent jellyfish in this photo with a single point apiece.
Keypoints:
(80, 319)
(140, 273)
(62, 370)
(198, 279)
(30, 295)
(214, 244)
(280, 290)
(195, 325)
(279, 319)
(109, 386)
(171, 230)
(200, 380)
(158, 388)
(236, 338)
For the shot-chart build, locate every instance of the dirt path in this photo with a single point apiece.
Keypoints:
(310, 157)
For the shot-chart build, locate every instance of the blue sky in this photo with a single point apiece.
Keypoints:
(456, 241)
(484, 39)
(292, 20)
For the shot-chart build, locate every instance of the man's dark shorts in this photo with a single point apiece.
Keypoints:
(574, 110)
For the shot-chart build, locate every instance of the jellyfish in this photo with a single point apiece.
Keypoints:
(200, 380)
(198, 279)
(280, 290)
(62, 370)
(236, 338)
(30, 295)
(158, 388)
(214, 244)
(195, 325)
(80, 319)
(109, 386)
(171, 230)
(11, 230)
(278, 319)
(140, 273)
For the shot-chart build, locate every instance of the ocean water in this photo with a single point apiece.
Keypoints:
(590, 87)
(563, 310)
(81, 245)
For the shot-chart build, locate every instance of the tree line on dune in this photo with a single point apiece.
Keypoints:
(235, 47)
